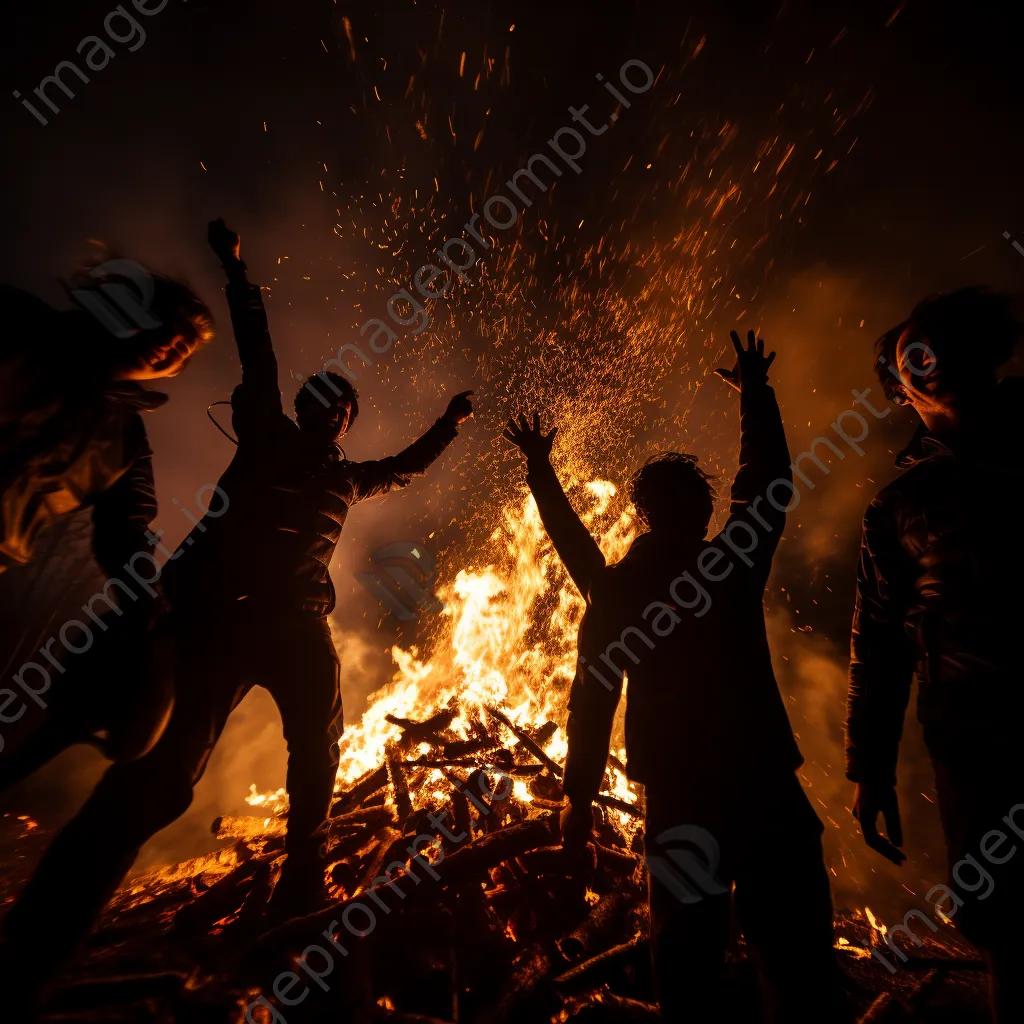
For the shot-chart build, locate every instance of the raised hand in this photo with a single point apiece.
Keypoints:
(870, 801)
(223, 241)
(460, 408)
(751, 363)
(530, 440)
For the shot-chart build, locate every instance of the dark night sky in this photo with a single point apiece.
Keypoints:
(258, 112)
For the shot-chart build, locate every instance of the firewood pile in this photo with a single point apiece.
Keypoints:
(490, 922)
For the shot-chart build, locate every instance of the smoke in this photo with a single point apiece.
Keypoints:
(811, 672)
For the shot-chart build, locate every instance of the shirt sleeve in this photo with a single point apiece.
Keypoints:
(576, 547)
(763, 486)
(882, 653)
(124, 512)
(256, 402)
(370, 479)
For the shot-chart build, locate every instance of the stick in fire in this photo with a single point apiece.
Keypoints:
(250, 602)
(706, 729)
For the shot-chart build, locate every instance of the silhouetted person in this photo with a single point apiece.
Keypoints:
(249, 609)
(706, 729)
(939, 594)
(71, 434)
(72, 437)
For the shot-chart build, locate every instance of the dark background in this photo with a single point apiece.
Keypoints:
(303, 135)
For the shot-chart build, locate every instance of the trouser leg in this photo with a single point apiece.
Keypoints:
(980, 790)
(50, 739)
(1006, 987)
(91, 855)
(119, 689)
(306, 688)
(784, 906)
(690, 915)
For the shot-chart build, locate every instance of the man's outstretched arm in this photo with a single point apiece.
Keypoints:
(259, 395)
(882, 660)
(382, 475)
(574, 543)
(756, 521)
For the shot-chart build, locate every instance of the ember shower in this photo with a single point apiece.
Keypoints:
(590, 327)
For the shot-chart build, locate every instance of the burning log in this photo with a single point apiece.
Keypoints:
(541, 736)
(888, 1006)
(547, 787)
(460, 748)
(460, 811)
(546, 860)
(529, 970)
(100, 993)
(387, 847)
(946, 963)
(224, 897)
(464, 865)
(425, 731)
(618, 861)
(619, 805)
(527, 741)
(519, 770)
(601, 920)
(247, 826)
(368, 817)
(463, 786)
(604, 1006)
(364, 788)
(396, 777)
(470, 861)
(548, 805)
(625, 954)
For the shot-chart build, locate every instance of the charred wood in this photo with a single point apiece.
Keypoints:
(600, 922)
(364, 788)
(527, 741)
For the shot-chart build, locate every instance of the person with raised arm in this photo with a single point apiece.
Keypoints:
(728, 828)
(250, 600)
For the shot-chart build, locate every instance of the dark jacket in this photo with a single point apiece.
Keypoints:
(69, 439)
(271, 532)
(938, 593)
(703, 704)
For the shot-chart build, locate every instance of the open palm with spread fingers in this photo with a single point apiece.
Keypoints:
(530, 439)
(751, 363)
